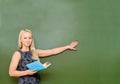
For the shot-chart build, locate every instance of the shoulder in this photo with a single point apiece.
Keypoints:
(15, 59)
(16, 54)
(38, 51)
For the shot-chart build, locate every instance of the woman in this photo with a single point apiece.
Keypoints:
(27, 54)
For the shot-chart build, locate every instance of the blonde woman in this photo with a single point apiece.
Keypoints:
(27, 54)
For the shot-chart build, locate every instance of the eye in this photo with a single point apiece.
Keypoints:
(30, 37)
(25, 37)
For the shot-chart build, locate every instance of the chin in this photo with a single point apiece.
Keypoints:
(28, 45)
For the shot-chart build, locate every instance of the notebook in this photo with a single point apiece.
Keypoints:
(38, 66)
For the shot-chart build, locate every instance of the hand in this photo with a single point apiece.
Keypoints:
(30, 72)
(73, 45)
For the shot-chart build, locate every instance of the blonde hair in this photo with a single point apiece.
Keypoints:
(31, 47)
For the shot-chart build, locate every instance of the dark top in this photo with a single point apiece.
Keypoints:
(26, 57)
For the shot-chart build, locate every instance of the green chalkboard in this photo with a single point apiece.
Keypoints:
(94, 23)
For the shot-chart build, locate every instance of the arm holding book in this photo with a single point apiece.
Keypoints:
(13, 67)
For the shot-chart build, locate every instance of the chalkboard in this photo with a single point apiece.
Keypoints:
(94, 23)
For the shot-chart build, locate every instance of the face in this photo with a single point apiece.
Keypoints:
(26, 39)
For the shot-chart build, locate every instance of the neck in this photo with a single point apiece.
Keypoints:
(25, 49)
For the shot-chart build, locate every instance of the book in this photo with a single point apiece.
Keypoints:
(38, 66)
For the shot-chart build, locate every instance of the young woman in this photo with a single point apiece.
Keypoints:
(27, 54)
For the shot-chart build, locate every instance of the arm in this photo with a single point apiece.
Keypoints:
(14, 64)
(44, 53)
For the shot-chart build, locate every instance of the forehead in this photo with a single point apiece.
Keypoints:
(26, 34)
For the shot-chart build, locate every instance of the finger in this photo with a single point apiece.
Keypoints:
(73, 48)
(35, 70)
(75, 44)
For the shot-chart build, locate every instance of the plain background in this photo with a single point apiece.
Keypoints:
(94, 23)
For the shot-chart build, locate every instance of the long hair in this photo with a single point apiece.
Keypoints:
(31, 47)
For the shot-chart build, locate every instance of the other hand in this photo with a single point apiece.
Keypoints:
(73, 45)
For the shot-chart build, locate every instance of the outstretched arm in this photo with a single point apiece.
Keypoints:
(44, 53)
